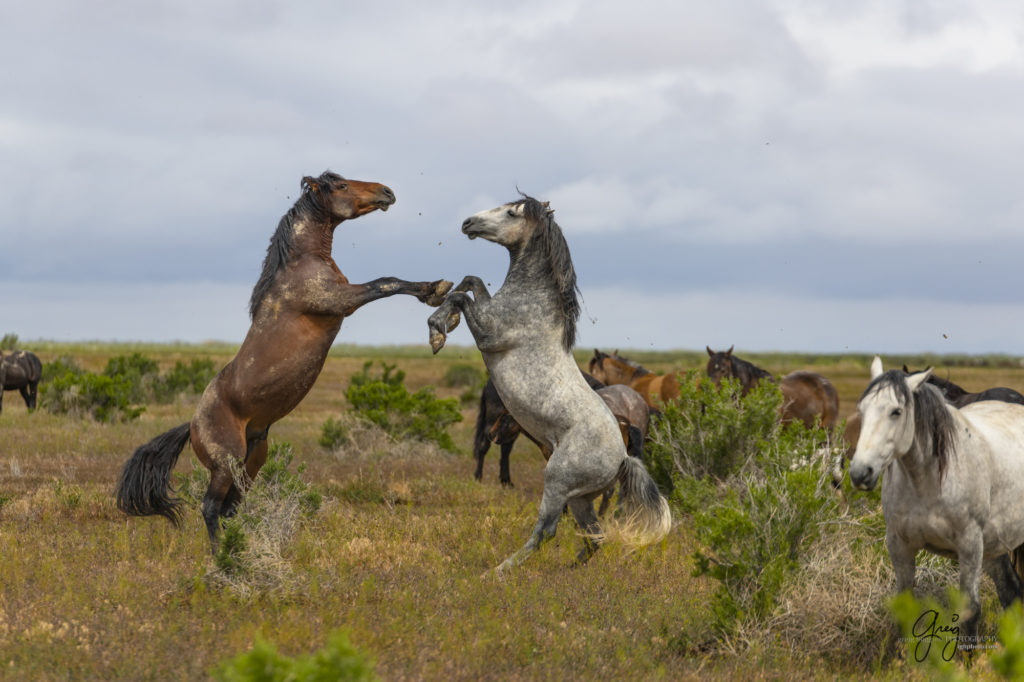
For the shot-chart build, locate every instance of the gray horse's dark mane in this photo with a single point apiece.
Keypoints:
(556, 263)
(932, 420)
(279, 252)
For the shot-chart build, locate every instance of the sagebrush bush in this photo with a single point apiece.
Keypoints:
(386, 402)
(757, 490)
(104, 398)
(333, 434)
(190, 379)
(338, 660)
(138, 371)
(9, 342)
(65, 364)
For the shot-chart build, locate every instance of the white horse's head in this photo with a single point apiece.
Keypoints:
(510, 225)
(887, 423)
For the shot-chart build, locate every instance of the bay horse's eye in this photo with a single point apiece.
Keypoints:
(343, 186)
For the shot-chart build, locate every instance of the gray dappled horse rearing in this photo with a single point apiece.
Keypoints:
(526, 332)
(953, 485)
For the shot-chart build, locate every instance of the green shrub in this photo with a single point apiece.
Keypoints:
(338, 660)
(65, 364)
(333, 434)
(467, 376)
(9, 342)
(757, 490)
(104, 398)
(386, 402)
(137, 370)
(929, 631)
(189, 379)
(1008, 661)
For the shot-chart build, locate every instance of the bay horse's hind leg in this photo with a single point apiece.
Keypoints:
(255, 457)
(219, 443)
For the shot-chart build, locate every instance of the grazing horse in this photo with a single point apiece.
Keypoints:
(297, 308)
(22, 371)
(957, 396)
(615, 369)
(495, 425)
(807, 397)
(953, 485)
(525, 333)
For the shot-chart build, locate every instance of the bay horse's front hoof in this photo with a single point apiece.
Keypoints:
(436, 298)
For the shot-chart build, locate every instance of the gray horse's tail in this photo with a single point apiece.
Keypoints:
(145, 485)
(646, 518)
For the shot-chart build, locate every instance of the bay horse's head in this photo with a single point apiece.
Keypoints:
(338, 198)
(720, 364)
(611, 369)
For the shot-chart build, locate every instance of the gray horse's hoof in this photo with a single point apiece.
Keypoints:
(453, 320)
(436, 341)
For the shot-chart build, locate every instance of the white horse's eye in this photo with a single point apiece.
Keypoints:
(511, 213)
(896, 412)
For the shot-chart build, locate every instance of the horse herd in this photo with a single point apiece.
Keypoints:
(954, 480)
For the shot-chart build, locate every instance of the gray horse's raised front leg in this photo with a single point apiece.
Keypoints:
(445, 319)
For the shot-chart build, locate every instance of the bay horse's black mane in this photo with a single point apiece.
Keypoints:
(556, 263)
(932, 421)
(279, 252)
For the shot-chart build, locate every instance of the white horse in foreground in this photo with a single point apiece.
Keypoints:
(954, 483)
(525, 333)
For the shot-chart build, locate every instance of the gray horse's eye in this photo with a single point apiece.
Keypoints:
(898, 411)
(511, 213)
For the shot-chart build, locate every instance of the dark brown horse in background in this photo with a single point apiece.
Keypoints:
(21, 371)
(615, 369)
(495, 424)
(297, 307)
(958, 396)
(808, 397)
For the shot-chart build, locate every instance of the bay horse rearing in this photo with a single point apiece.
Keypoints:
(297, 307)
(615, 369)
(808, 397)
(525, 333)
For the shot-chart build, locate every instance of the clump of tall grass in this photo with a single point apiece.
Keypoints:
(338, 660)
(251, 556)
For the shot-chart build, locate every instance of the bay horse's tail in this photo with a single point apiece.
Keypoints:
(646, 517)
(1017, 559)
(145, 484)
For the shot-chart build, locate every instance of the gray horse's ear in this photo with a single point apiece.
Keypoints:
(876, 367)
(915, 381)
(547, 208)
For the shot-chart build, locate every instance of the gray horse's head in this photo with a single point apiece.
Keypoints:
(896, 410)
(527, 228)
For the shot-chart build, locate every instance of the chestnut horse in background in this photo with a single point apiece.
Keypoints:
(297, 307)
(808, 397)
(615, 369)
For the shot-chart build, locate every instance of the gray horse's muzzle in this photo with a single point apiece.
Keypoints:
(863, 476)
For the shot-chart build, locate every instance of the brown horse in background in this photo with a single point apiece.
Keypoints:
(615, 369)
(808, 397)
(297, 307)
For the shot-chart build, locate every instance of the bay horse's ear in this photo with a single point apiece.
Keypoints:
(729, 352)
(711, 353)
(915, 381)
(310, 183)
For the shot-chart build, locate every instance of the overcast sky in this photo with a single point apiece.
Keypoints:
(778, 175)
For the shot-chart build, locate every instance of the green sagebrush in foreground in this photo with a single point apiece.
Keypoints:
(338, 661)
(757, 490)
(385, 401)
